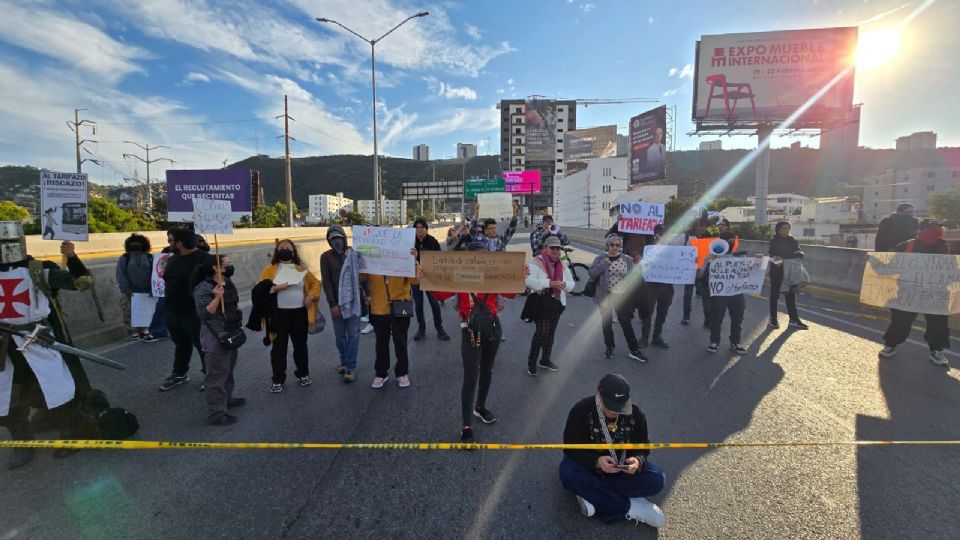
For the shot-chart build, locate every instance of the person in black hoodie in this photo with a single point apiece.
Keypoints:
(426, 242)
(929, 240)
(896, 228)
(783, 246)
(181, 313)
(609, 484)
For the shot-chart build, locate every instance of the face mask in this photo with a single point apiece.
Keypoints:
(338, 244)
(228, 271)
(285, 254)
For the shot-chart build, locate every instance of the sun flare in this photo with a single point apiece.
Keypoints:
(876, 48)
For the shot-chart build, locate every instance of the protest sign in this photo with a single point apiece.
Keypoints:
(157, 285)
(63, 202)
(212, 217)
(142, 306)
(676, 265)
(289, 274)
(736, 275)
(495, 205)
(640, 217)
(231, 185)
(385, 251)
(473, 271)
(915, 282)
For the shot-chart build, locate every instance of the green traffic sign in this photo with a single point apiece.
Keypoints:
(492, 185)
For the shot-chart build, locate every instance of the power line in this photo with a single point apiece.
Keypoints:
(241, 120)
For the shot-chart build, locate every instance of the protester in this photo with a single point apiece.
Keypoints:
(217, 300)
(609, 484)
(133, 271)
(699, 230)
(548, 229)
(896, 228)
(385, 296)
(488, 233)
(158, 326)
(290, 308)
(535, 238)
(426, 242)
(615, 285)
(340, 277)
(720, 305)
(480, 333)
(458, 237)
(783, 247)
(181, 312)
(929, 239)
(659, 297)
(550, 279)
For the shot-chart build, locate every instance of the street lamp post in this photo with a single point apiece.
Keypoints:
(373, 83)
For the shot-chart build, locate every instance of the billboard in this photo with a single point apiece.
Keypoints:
(766, 76)
(582, 145)
(63, 201)
(648, 151)
(522, 181)
(231, 185)
(540, 122)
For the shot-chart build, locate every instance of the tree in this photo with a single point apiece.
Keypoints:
(946, 205)
(674, 210)
(10, 211)
(106, 216)
(720, 203)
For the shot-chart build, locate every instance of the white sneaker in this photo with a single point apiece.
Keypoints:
(586, 508)
(888, 351)
(378, 382)
(365, 318)
(367, 329)
(644, 511)
(938, 358)
(403, 381)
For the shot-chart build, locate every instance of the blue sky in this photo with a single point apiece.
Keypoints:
(207, 77)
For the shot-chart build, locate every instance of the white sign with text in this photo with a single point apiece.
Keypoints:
(385, 251)
(675, 265)
(736, 275)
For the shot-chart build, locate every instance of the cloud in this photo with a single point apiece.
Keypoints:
(194, 76)
(671, 92)
(449, 91)
(459, 120)
(651, 20)
(686, 72)
(510, 82)
(499, 90)
(473, 31)
(587, 8)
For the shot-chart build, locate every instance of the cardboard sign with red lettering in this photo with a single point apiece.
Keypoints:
(640, 217)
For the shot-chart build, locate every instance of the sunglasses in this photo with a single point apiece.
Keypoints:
(554, 248)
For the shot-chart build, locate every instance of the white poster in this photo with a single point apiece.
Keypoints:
(156, 275)
(385, 251)
(212, 216)
(63, 206)
(915, 282)
(495, 205)
(142, 306)
(676, 265)
(640, 217)
(737, 275)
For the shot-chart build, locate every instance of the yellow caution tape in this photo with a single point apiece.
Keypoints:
(177, 445)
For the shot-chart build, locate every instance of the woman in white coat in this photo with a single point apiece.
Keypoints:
(549, 280)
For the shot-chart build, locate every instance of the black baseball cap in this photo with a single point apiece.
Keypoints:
(614, 391)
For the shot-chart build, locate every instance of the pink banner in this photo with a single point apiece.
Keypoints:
(522, 181)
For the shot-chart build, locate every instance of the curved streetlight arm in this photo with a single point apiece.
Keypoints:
(323, 20)
(421, 14)
(125, 156)
(135, 144)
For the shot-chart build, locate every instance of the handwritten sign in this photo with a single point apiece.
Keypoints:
(157, 284)
(212, 216)
(142, 306)
(670, 264)
(737, 275)
(915, 282)
(495, 205)
(385, 251)
(473, 271)
(640, 217)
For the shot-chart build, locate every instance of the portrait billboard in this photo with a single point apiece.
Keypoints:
(582, 145)
(540, 123)
(231, 185)
(766, 76)
(522, 181)
(648, 151)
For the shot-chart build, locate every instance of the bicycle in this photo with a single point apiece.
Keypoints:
(579, 271)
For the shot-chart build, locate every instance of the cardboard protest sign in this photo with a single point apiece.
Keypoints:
(703, 248)
(63, 204)
(670, 264)
(495, 205)
(385, 251)
(473, 271)
(915, 282)
(737, 275)
(640, 217)
(212, 217)
(142, 306)
(157, 285)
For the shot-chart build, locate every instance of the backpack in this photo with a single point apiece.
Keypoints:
(481, 320)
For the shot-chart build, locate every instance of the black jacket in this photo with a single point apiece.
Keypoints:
(583, 427)
(331, 263)
(429, 243)
(940, 247)
(785, 248)
(894, 229)
(177, 278)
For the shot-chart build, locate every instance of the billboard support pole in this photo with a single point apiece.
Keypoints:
(763, 173)
(463, 194)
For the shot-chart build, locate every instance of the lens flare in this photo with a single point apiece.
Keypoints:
(876, 48)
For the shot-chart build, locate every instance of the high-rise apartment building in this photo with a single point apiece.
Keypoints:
(921, 140)
(328, 206)
(466, 151)
(421, 152)
(394, 212)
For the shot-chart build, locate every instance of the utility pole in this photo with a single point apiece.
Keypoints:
(147, 148)
(463, 191)
(288, 181)
(588, 202)
(75, 127)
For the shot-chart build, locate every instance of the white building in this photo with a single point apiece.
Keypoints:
(328, 206)
(829, 210)
(784, 203)
(588, 195)
(921, 140)
(421, 152)
(394, 212)
(746, 214)
(711, 145)
(885, 190)
(814, 231)
(466, 151)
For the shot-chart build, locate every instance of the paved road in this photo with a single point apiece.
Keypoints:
(823, 384)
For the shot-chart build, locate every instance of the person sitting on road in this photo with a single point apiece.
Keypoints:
(551, 279)
(929, 240)
(609, 484)
(612, 270)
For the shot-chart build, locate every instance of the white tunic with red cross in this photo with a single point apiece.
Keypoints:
(22, 303)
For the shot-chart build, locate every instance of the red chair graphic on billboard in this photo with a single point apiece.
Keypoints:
(731, 93)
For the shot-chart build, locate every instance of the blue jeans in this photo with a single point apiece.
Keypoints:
(157, 327)
(610, 494)
(348, 339)
(434, 307)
